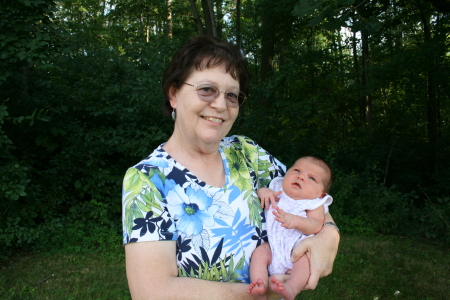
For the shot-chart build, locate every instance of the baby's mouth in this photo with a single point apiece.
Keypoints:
(297, 185)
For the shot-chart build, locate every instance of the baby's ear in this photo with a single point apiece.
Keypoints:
(323, 195)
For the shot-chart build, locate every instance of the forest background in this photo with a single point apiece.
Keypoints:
(362, 83)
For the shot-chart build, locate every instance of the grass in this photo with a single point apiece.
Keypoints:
(386, 268)
(91, 275)
(365, 268)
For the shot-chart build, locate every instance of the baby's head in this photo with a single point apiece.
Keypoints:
(309, 178)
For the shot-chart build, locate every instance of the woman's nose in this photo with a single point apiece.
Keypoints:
(220, 102)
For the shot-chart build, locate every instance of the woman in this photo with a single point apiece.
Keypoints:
(190, 209)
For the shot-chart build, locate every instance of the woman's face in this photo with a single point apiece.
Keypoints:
(198, 121)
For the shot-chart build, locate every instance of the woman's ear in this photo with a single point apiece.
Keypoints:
(173, 95)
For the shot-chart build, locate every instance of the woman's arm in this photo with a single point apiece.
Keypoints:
(321, 250)
(152, 274)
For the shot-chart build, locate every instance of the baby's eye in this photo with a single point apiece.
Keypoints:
(312, 178)
(297, 170)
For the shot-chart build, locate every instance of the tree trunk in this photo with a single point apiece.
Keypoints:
(197, 18)
(367, 98)
(432, 100)
(219, 22)
(267, 52)
(208, 15)
(311, 65)
(169, 19)
(238, 23)
(358, 80)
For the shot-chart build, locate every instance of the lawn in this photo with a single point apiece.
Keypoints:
(365, 268)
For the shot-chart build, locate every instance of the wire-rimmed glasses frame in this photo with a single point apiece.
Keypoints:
(208, 93)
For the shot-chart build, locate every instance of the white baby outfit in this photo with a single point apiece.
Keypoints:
(283, 240)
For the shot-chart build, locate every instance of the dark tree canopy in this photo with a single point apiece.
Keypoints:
(363, 84)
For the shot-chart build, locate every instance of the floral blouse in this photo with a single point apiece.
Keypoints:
(215, 229)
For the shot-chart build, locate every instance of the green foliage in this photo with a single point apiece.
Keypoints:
(80, 99)
(435, 220)
(25, 36)
(363, 205)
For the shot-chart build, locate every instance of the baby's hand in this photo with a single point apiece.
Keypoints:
(287, 220)
(267, 197)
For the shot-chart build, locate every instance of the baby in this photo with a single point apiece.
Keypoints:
(303, 193)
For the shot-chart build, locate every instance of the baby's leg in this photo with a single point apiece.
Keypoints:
(299, 277)
(261, 258)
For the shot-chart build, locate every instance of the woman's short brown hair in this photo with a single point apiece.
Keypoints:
(203, 52)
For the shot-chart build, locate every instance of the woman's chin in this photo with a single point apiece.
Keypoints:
(212, 136)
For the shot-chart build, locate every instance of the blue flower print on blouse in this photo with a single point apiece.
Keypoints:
(192, 209)
(162, 187)
(182, 246)
(147, 223)
(157, 161)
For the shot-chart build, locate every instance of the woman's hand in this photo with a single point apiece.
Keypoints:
(321, 250)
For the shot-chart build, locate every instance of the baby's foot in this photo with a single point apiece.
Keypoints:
(282, 289)
(258, 289)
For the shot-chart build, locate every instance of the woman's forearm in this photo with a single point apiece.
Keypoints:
(328, 217)
(322, 250)
(193, 288)
(152, 274)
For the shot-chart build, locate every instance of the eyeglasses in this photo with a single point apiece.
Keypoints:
(209, 93)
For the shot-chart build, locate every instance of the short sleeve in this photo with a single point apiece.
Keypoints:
(144, 216)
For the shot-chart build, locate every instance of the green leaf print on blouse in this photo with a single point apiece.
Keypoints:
(216, 272)
(240, 176)
(213, 268)
(141, 196)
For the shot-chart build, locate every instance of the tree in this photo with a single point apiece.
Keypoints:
(197, 18)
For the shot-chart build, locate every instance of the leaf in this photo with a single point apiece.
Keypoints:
(201, 240)
(200, 272)
(306, 8)
(217, 252)
(223, 270)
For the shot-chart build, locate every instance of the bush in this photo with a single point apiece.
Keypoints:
(364, 205)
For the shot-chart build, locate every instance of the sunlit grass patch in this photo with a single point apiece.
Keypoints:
(92, 275)
(386, 268)
(372, 268)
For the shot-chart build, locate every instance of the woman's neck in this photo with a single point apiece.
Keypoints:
(204, 161)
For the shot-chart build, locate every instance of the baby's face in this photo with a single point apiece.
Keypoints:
(305, 180)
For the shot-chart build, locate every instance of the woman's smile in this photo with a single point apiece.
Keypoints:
(213, 119)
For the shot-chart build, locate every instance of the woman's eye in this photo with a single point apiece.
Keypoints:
(207, 90)
(232, 96)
